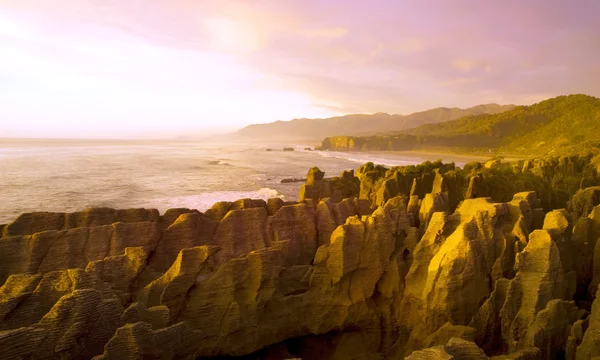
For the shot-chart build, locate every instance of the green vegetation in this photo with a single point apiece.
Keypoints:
(554, 178)
(561, 125)
(359, 124)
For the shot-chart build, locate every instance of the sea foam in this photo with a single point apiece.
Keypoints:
(205, 201)
(363, 158)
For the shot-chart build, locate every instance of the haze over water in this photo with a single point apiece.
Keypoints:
(71, 175)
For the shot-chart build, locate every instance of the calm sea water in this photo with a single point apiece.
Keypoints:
(71, 175)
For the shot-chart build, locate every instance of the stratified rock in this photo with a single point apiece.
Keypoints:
(452, 267)
(31, 223)
(171, 215)
(451, 184)
(27, 298)
(218, 211)
(487, 321)
(120, 271)
(576, 338)
(138, 341)
(585, 234)
(539, 279)
(431, 204)
(76, 327)
(494, 163)
(74, 248)
(314, 176)
(325, 221)
(449, 331)
(21, 343)
(356, 270)
(248, 204)
(189, 230)
(584, 201)
(528, 354)
(594, 232)
(558, 223)
(460, 269)
(455, 349)
(474, 185)
(243, 231)
(273, 205)
(590, 346)
(296, 225)
(170, 290)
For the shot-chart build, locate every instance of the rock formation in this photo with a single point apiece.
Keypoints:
(381, 265)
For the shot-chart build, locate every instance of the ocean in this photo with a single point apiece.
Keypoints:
(71, 175)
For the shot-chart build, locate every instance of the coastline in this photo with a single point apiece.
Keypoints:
(452, 156)
(424, 155)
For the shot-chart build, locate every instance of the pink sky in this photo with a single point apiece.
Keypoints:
(131, 68)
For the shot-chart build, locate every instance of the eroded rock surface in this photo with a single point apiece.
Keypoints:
(407, 263)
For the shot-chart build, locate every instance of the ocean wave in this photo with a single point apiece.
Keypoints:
(367, 157)
(205, 201)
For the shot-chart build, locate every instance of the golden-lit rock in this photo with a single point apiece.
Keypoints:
(333, 277)
(590, 345)
(455, 349)
(242, 231)
(539, 279)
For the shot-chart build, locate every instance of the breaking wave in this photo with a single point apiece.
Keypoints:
(363, 158)
(205, 201)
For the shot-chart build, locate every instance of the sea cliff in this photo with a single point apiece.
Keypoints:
(563, 125)
(422, 262)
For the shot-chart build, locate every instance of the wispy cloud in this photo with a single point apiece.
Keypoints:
(232, 62)
(460, 81)
(410, 45)
(464, 64)
(326, 33)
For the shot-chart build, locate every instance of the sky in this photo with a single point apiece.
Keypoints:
(163, 68)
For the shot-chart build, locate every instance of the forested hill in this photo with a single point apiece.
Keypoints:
(564, 124)
(360, 124)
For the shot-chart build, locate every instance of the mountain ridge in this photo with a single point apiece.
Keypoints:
(566, 123)
(360, 124)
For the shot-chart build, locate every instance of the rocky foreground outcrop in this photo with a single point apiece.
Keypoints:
(431, 275)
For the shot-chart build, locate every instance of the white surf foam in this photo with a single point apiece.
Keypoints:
(363, 158)
(205, 201)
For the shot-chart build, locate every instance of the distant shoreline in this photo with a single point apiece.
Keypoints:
(454, 156)
(432, 155)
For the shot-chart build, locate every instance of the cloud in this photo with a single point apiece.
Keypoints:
(233, 35)
(460, 81)
(306, 56)
(326, 33)
(464, 64)
(410, 45)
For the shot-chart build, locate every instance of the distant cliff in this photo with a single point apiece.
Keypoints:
(360, 124)
(562, 124)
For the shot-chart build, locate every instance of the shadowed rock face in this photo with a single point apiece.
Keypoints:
(335, 277)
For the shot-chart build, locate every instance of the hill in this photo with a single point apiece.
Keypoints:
(564, 124)
(360, 124)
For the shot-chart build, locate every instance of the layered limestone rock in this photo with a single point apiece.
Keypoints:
(31, 223)
(590, 344)
(318, 187)
(437, 202)
(456, 348)
(456, 265)
(76, 327)
(540, 278)
(206, 285)
(74, 248)
(331, 277)
(294, 230)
